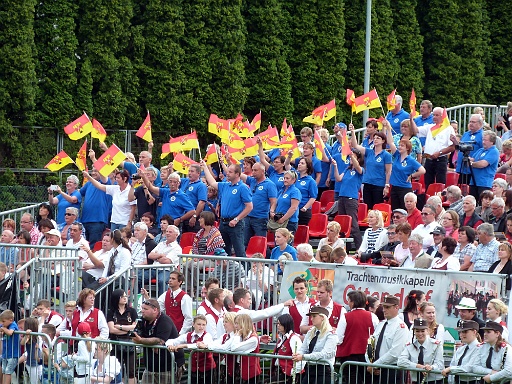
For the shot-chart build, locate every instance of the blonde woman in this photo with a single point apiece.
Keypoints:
(375, 237)
(504, 263)
(495, 311)
(427, 311)
(245, 341)
(333, 236)
(319, 346)
(105, 368)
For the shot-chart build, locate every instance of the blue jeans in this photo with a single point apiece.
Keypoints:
(114, 226)
(233, 237)
(254, 227)
(93, 232)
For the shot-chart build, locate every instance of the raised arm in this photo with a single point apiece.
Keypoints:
(389, 136)
(209, 177)
(353, 139)
(94, 182)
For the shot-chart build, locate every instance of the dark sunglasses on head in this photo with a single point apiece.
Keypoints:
(145, 302)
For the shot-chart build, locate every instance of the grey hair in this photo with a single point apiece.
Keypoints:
(486, 228)
(142, 226)
(175, 228)
(417, 238)
(428, 102)
(73, 210)
(492, 136)
(455, 191)
(175, 175)
(435, 201)
(500, 183)
(471, 198)
(410, 194)
(305, 248)
(73, 178)
(399, 99)
(480, 118)
(498, 201)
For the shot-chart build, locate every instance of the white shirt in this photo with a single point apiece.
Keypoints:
(215, 329)
(121, 207)
(329, 307)
(441, 141)
(182, 339)
(342, 326)
(453, 263)
(81, 253)
(424, 231)
(186, 309)
(261, 314)
(139, 253)
(102, 321)
(172, 250)
(111, 368)
(121, 262)
(104, 257)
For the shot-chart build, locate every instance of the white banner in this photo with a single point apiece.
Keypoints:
(443, 288)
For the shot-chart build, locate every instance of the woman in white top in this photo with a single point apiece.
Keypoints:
(105, 368)
(447, 262)
(374, 237)
(259, 280)
(120, 257)
(495, 310)
(84, 355)
(332, 239)
(401, 252)
(123, 211)
(427, 311)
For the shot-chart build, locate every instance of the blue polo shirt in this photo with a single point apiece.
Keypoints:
(396, 119)
(97, 204)
(342, 165)
(375, 167)
(174, 204)
(317, 165)
(233, 198)
(351, 183)
(308, 189)
(325, 168)
(401, 170)
(469, 137)
(336, 148)
(284, 201)
(276, 178)
(11, 344)
(366, 143)
(261, 193)
(485, 176)
(420, 121)
(196, 191)
(63, 204)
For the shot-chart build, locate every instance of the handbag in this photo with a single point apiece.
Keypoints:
(272, 224)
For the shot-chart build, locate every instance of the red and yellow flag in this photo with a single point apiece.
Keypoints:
(79, 128)
(181, 163)
(239, 127)
(269, 138)
(144, 131)
(379, 121)
(319, 144)
(218, 126)
(391, 100)
(81, 157)
(322, 113)
(412, 104)
(98, 132)
(180, 144)
(291, 145)
(109, 161)
(211, 155)
(250, 149)
(256, 121)
(369, 100)
(232, 140)
(438, 128)
(351, 98)
(287, 133)
(345, 146)
(59, 161)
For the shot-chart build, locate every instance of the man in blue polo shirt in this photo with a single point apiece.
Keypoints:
(485, 163)
(264, 194)
(473, 136)
(175, 202)
(425, 118)
(96, 208)
(235, 204)
(197, 191)
(397, 115)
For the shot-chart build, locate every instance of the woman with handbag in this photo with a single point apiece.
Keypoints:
(286, 207)
(121, 320)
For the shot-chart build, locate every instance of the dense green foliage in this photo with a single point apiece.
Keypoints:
(182, 60)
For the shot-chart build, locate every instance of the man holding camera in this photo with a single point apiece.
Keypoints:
(484, 163)
(437, 148)
(146, 201)
(473, 137)
(154, 330)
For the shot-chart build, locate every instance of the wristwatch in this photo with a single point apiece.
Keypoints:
(194, 216)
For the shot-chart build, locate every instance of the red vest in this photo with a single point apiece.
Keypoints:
(230, 359)
(297, 317)
(250, 365)
(53, 313)
(209, 311)
(285, 350)
(204, 305)
(201, 361)
(173, 309)
(359, 328)
(92, 320)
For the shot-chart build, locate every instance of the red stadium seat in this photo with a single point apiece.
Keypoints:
(257, 244)
(434, 188)
(500, 176)
(186, 250)
(385, 208)
(271, 242)
(315, 208)
(417, 188)
(326, 198)
(328, 206)
(318, 225)
(452, 178)
(187, 239)
(362, 212)
(301, 235)
(346, 223)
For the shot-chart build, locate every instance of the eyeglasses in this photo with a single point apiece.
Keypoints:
(426, 214)
(145, 302)
(397, 217)
(391, 233)
(69, 214)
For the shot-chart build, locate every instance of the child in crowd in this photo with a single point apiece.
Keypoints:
(33, 353)
(84, 355)
(245, 341)
(10, 345)
(65, 329)
(105, 368)
(203, 364)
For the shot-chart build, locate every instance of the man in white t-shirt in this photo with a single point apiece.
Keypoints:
(166, 253)
(96, 263)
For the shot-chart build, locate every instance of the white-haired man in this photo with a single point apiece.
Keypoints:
(397, 115)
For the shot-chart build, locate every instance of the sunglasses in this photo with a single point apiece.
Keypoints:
(69, 214)
(145, 302)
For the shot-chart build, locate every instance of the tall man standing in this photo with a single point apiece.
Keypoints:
(236, 204)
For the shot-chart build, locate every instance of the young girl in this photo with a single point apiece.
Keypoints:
(494, 357)
(203, 364)
(288, 342)
(85, 354)
(245, 341)
(434, 330)
(105, 368)
(33, 353)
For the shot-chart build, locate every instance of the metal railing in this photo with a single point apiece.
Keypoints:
(16, 213)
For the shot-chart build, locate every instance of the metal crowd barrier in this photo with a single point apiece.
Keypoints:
(16, 214)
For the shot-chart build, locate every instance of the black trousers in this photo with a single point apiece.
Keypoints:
(372, 194)
(397, 197)
(436, 170)
(317, 374)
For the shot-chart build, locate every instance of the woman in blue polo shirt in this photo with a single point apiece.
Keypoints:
(377, 163)
(287, 202)
(348, 201)
(404, 168)
(308, 189)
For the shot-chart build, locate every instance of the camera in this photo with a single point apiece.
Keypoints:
(136, 177)
(466, 147)
(135, 330)
(278, 216)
